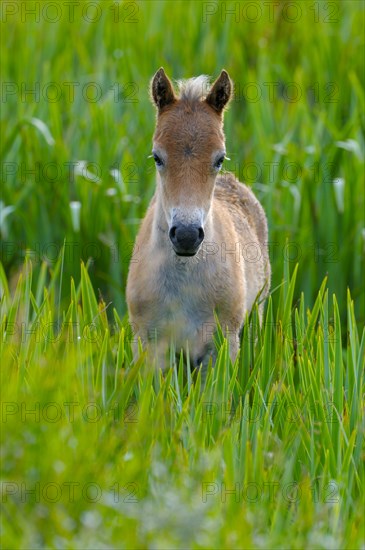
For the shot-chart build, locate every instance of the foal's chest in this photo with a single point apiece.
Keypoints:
(183, 300)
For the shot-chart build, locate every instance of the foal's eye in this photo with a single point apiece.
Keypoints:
(158, 160)
(218, 163)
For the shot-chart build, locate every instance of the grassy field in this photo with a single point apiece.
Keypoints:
(99, 451)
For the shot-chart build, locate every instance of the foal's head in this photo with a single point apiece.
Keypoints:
(189, 149)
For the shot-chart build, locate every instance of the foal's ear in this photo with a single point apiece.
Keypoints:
(161, 89)
(220, 92)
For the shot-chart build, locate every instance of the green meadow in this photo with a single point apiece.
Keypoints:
(99, 448)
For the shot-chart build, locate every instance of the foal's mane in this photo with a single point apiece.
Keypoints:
(194, 89)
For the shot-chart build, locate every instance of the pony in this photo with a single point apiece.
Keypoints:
(202, 248)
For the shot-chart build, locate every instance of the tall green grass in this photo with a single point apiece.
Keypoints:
(268, 452)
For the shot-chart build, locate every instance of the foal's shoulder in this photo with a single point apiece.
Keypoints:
(235, 194)
(231, 190)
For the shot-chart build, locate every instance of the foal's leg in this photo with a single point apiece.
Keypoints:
(153, 344)
(232, 334)
(207, 350)
(234, 344)
(156, 351)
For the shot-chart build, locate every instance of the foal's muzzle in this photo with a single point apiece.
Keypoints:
(186, 239)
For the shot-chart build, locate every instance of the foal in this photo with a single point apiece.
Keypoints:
(202, 246)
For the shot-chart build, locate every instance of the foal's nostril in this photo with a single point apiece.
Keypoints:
(201, 234)
(172, 233)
